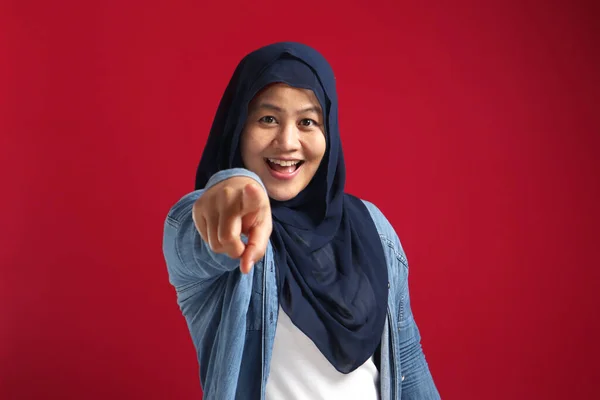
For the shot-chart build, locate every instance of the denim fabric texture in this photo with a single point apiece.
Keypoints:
(232, 317)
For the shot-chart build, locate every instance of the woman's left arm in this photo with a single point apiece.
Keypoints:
(417, 382)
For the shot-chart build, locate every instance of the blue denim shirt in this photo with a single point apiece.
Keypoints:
(232, 317)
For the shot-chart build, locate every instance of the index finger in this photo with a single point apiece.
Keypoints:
(258, 238)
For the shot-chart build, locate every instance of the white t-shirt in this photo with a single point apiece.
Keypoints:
(300, 372)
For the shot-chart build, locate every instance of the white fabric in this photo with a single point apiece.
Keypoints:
(300, 372)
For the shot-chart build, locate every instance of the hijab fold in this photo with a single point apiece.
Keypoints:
(331, 270)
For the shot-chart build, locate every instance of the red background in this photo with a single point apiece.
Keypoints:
(475, 128)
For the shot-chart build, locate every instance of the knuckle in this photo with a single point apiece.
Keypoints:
(226, 237)
(226, 191)
(227, 194)
(235, 252)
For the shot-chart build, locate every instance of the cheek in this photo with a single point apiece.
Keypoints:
(248, 147)
(244, 143)
(318, 146)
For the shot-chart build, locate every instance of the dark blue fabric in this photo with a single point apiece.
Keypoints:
(331, 270)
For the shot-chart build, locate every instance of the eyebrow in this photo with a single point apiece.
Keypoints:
(273, 107)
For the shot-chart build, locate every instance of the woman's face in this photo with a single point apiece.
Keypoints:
(283, 140)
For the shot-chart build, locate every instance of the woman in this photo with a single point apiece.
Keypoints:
(291, 288)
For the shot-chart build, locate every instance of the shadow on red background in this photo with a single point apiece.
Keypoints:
(474, 128)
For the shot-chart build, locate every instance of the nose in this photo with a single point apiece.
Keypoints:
(287, 138)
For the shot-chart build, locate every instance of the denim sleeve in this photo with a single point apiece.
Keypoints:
(189, 259)
(417, 381)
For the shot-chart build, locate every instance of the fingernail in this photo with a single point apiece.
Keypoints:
(247, 269)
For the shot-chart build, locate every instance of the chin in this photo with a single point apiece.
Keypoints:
(281, 195)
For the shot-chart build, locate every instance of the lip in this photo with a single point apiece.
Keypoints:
(283, 159)
(281, 176)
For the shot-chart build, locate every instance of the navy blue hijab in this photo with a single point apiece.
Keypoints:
(331, 271)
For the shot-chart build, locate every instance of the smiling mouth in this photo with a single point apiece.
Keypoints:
(283, 167)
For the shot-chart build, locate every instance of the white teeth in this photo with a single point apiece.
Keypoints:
(283, 163)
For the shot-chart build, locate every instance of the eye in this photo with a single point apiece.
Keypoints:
(308, 122)
(268, 119)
